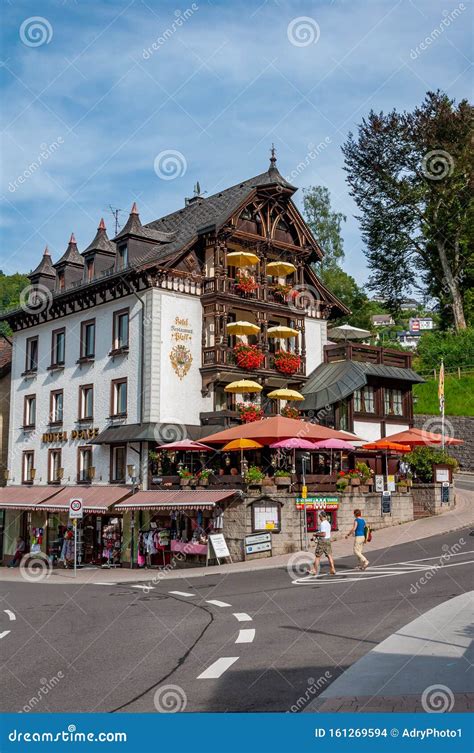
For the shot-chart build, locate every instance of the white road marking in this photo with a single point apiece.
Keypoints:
(379, 571)
(246, 636)
(242, 617)
(181, 593)
(218, 668)
(103, 583)
(11, 615)
(145, 588)
(217, 603)
(5, 632)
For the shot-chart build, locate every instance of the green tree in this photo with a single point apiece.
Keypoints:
(410, 174)
(325, 224)
(10, 289)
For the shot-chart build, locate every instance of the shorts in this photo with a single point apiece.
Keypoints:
(323, 546)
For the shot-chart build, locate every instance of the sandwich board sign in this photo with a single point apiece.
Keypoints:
(76, 510)
(217, 548)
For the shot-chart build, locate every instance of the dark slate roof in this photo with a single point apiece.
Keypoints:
(101, 241)
(207, 212)
(331, 382)
(146, 432)
(45, 267)
(134, 227)
(71, 254)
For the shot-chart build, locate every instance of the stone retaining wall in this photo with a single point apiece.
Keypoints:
(461, 427)
(428, 496)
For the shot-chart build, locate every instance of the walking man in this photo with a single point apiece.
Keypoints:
(358, 531)
(323, 545)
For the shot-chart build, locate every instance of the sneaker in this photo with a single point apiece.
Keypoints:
(364, 567)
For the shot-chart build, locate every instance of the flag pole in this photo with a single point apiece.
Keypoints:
(441, 401)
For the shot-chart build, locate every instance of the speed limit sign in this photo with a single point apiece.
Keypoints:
(75, 508)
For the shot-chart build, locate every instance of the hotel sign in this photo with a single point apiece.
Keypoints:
(62, 436)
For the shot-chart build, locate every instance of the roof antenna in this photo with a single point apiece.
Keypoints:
(115, 213)
(197, 190)
(273, 158)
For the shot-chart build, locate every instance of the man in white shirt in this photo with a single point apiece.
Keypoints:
(323, 545)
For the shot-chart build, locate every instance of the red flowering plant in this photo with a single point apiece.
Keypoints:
(246, 284)
(289, 412)
(281, 291)
(249, 412)
(287, 363)
(248, 356)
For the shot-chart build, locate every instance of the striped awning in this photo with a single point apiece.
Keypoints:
(175, 500)
(26, 497)
(95, 499)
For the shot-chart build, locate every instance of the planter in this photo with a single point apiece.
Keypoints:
(282, 480)
(184, 481)
(355, 481)
(402, 488)
(203, 482)
(267, 482)
(364, 489)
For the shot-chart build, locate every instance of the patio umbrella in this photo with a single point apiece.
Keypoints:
(286, 394)
(241, 259)
(348, 332)
(334, 444)
(280, 268)
(186, 445)
(269, 430)
(242, 444)
(415, 437)
(294, 443)
(242, 328)
(385, 444)
(284, 333)
(243, 386)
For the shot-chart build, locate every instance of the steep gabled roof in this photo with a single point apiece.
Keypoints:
(101, 241)
(45, 267)
(71, 254)
(134, 227)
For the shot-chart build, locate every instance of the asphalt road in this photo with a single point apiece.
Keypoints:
(259, 638)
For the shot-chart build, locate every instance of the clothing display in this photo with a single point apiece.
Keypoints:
(112, 543)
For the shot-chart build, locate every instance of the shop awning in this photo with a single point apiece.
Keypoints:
(96, 499)
(146, 432)
(26, 497)
(175, 500)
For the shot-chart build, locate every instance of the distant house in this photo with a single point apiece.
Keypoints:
(409, 304)
(382, 320)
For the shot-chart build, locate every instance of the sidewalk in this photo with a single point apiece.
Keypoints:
(461, 517)
(426, 666)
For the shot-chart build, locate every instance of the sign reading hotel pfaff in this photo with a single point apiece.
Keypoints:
(180, 356)
(62, 436)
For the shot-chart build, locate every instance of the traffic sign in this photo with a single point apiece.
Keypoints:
(76, 510)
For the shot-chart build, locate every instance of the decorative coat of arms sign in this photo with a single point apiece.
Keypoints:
(181, 360)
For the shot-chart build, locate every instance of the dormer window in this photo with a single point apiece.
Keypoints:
(61, 282)
(89, 270)
(122, 260)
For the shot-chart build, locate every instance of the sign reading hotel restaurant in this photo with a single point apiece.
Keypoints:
(75, 508)
(258, 542)
(61, 436)
(219, 545)
(317, 503)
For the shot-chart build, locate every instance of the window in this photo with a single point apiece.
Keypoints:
(56, 404)
(120, 330)
(86, 402)
(393, 402)
(122, 260)
(61, 281)
(58, 347)
(118, 463)
(119, 397)
(364, 400)
(54, 466)
(84, 464)
(89, 270)
(31, 354)
(28, 471)
(29, 412)
(88, 339)
(266, 516)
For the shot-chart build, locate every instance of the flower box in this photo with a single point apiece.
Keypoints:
(364, 489)
(248, 356)
(184, 481)
(246, 284)
(249, 412)
(355, 481)
(286, 362)
(282, 480)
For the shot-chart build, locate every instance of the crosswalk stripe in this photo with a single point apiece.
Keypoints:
(246, 636)
(217, 603)
(181, 593)
(242, 617)
(218, 668)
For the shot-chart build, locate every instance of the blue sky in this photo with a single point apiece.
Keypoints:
(94, 92)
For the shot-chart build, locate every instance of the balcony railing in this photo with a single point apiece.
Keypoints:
(267, 292)
(367, 354)
(223, 355)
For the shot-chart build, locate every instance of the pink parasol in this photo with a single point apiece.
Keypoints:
(296, 443)
(187, 445)
(333, 444)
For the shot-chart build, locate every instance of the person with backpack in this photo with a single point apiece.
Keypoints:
(359, 531)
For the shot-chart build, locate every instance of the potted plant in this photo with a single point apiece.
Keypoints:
(254, 476)
(286, 362)
(290, 412)
(246, 284)
(354, 478)
(249, 412)
(203, 476)
(365, 477)
(248, 356)
(402, 486)
(409, 479)
(342, 485)
(282, 478)
(185, 476)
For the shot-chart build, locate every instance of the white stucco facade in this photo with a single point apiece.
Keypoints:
(316, 339)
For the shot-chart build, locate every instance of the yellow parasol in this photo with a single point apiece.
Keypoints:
(283, 332)
(285, 394)
(242, 444)
(242, 328)
(280, 268)
(243, 386)
(241, 259)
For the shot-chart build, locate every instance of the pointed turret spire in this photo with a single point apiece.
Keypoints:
(101, 241)
(102, 224)
(72, 240)
(46, 252)
(134, 209)
(273, 158)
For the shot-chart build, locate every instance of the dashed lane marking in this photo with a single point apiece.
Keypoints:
(246, 636)
(181, 593)
(5, 633)
(242, 617)
(143, 587)
(103, 583)
(11, 615)
(217, 603)
(218, 668)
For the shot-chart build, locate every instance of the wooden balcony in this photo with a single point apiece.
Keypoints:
(367, 354)
(266, 294)
(223, 356)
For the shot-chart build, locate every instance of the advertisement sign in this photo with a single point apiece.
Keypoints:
(219, 545)
(258, 542)
(379, 483)
(391, 483)
(420, 324)
(317, 503)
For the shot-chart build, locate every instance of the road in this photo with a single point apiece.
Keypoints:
(251, 641)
